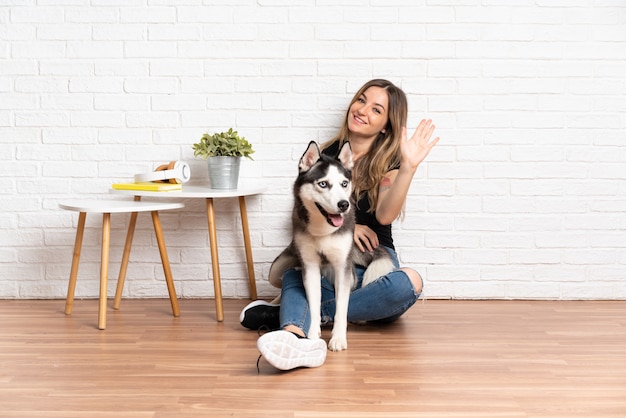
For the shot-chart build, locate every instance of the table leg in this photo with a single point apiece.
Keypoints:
(246, 240)
(166, 263)
(78, 243)
(215, 262)
(121, 278)
(104, 269)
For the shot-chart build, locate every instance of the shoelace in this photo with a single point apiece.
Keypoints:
(261, 329)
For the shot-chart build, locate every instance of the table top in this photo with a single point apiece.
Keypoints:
(196, 191)
(116, 206)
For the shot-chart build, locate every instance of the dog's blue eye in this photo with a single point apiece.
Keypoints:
(345, 184)
(323, 184)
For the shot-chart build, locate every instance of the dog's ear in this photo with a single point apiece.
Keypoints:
(345, 156)
(310, 157)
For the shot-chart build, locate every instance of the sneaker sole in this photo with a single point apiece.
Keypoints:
(285, 351)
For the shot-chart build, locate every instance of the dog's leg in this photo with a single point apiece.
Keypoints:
(311, 276)
(343, 285)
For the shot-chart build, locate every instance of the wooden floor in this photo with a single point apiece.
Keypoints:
(442, 359)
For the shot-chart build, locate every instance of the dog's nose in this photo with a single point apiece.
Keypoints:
(343, 205)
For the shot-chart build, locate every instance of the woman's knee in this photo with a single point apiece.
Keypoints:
(415, 278)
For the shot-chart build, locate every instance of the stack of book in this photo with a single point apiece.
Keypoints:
(150, 186)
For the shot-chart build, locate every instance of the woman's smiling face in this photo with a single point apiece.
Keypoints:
(368, 115)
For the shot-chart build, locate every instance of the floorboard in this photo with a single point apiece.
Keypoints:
(442, 359)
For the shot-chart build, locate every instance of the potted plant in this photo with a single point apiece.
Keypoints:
(223, 152)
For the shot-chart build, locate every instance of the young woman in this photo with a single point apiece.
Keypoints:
(385, 161)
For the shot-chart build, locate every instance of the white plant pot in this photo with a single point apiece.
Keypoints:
(223, 172)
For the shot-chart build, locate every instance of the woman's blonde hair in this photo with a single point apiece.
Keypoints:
(384, 153)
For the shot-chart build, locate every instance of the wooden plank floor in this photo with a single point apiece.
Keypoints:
(442, 359)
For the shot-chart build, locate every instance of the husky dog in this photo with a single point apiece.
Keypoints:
(323, 244)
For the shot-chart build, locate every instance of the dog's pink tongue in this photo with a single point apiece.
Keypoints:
(337, 220)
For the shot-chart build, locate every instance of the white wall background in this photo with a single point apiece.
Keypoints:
(525, 197)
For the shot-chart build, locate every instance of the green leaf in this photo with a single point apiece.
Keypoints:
(228, 144)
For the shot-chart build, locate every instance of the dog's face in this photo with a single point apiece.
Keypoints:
(325, 183)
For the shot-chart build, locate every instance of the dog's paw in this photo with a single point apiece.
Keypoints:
(376, 269)
(315, 332)
(338, 343)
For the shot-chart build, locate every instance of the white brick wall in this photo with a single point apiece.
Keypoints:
(525, 197)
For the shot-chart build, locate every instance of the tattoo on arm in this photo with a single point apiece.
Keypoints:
(385, 184)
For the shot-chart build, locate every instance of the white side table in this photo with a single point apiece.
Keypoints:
(204, 192)
(106, 207)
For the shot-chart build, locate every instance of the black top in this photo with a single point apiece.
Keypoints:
(363, 217)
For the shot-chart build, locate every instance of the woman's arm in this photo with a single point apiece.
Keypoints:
(394, 187)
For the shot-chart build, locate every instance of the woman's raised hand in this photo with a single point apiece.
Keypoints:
(415, 149)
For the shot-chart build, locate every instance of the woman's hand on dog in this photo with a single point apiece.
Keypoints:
(365, 238)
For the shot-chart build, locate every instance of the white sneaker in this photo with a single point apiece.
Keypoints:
(285, 351)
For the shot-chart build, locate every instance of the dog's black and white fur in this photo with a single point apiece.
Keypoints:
(323, 244)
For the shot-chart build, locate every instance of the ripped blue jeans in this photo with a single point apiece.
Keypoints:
(384, 299)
